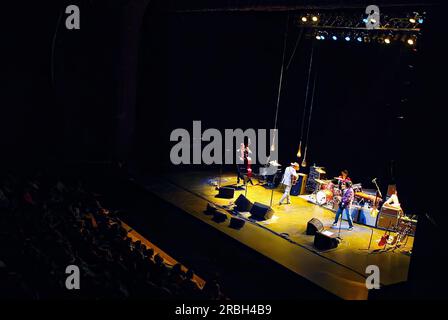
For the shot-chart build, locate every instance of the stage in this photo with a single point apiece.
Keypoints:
(282, 238)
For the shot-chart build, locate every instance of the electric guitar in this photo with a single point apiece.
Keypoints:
(385, 237)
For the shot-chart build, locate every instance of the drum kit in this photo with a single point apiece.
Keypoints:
(326, 191)
(329, 192)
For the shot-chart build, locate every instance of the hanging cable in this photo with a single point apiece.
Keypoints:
(299, 152)
(53, 49)
(280, 84)
(295, 48)
(309, 122)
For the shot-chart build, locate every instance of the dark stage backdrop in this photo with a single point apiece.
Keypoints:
(223, 69)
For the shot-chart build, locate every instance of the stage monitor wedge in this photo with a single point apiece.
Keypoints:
(243, 204)
(236, 223)
(325, 240)
(219, 217)
(261, 212)
(226, 192)
(314, 226)
(210, 209)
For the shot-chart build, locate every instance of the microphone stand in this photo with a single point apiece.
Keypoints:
(220, 176)
(340, 224)
(378, 193)
(272, 189)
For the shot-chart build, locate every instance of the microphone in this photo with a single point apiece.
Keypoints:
(374, 180)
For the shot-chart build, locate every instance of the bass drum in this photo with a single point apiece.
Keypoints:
(324, 196)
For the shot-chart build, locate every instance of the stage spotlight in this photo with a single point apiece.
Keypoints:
(420, 20)
(334, 38)
(387, 40)
(411, 42)
(365, 20)
(359, 39)
(347, 38)
(318, 37)
(322, 38)
(412, 20)
(314, 18)
(304, 19)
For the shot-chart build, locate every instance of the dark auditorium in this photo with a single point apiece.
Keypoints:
(222, 158)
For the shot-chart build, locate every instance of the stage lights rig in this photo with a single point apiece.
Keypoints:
(393, 28)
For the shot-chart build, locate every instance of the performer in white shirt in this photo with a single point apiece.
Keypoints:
(393, 201)
(289, 178)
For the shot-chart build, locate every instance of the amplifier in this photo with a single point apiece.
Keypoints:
(386, 221)
(368, 216)
(389, 210)
(311, 183)
(354, 213)
(300, 186)
(388, 217)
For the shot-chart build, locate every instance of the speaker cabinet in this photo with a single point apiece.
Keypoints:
(261, 212)
(386, 221)
(299, 187)
(236, 223)
(314, 226)
(226, 192)
(354, 213)
(388, 217)
(325, 240)
(211, 209)
(367, 216)
(219, 216)
(243, 204)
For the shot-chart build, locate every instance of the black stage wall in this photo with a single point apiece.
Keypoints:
(223, 69)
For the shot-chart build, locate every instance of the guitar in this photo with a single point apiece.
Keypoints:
(294, 179)
(385, 237)
(247, 161)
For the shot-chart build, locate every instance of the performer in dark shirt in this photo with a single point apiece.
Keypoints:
(344, 207)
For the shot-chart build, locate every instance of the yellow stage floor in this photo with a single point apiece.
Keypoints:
(340, 271)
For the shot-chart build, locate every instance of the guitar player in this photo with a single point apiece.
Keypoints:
(289, 179)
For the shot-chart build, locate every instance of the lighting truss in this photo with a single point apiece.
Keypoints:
(351, 27)
(335, 20)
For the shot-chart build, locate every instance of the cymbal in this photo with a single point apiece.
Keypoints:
(321, 171)
(320, 181)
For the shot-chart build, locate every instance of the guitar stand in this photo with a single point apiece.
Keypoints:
(370, 242)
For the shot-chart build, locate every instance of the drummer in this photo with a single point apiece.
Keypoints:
(343, 177)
